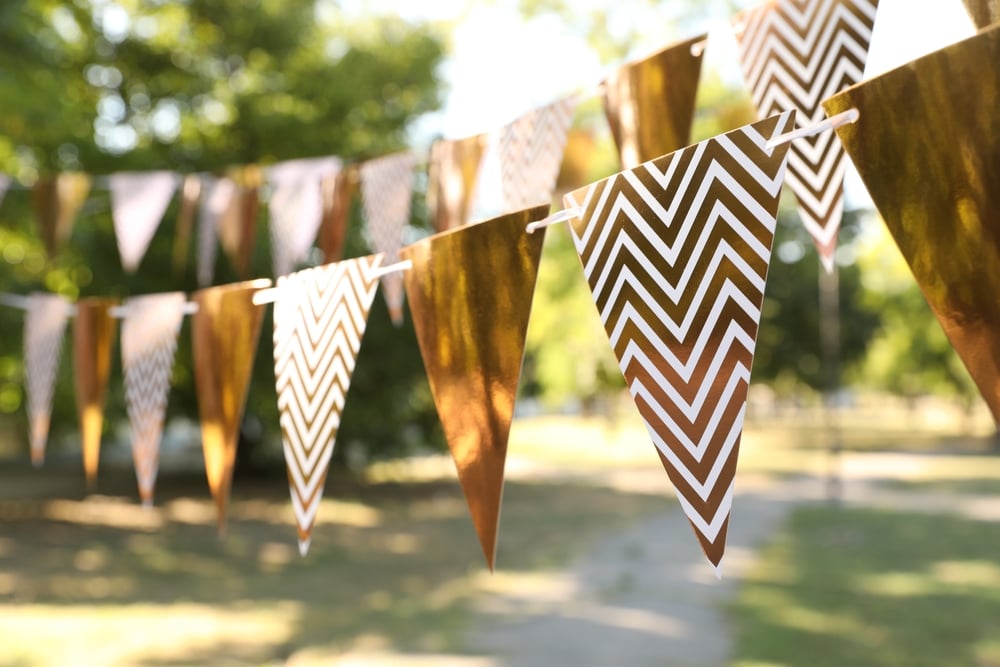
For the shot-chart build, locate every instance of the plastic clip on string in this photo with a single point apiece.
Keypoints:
(560, 216)
(271, 294)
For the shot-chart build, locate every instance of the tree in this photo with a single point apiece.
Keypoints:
(114, 85)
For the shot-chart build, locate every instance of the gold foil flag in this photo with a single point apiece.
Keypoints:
(225, 332)
(470, 294)
(927, 148)
(93, 338)
(650, 103)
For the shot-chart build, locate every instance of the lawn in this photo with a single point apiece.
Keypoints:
(864, 587)
(393, 566)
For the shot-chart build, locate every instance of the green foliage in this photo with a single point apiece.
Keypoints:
(788, 342)
(199, 86)
(910, 354)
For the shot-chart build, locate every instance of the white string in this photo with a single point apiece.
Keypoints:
(835, 121)
(561, 216)
(272, 294)
(121, 312)
(22, 303)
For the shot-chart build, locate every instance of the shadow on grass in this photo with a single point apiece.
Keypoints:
(862, 587)
(391, 563)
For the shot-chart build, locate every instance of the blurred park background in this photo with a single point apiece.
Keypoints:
(884, 554)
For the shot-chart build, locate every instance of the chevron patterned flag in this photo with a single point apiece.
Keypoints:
(296, 207)
(216, 197)
(149, 342)
(530, 151)
(319, 321)
(794, 54)
(386, 190)
(138, 202)
(676, 252)
(44, 326)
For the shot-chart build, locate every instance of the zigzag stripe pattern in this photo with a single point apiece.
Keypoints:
(386, 190)
(530, 150)
(319, 321)
(794, 54)
(149, 343)
(676, 252)
(44, 327)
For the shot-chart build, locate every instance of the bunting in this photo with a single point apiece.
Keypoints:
(149, 343)
(650, 103)
(676, 253)
(58, 200)
(530, 150)
(93, 337)
(190, 195)
(338, 192)
(138, 202)
(217, 195)
(452, 171)
(237, 227)
(320, 316)
(225, 330)
(795, 53)
(386, 190)
(926, 146)
(983, 12)
(296, 207)
(44, 325)
(470, 294)
(4, 186)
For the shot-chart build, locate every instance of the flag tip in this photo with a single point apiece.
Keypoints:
(304, 546)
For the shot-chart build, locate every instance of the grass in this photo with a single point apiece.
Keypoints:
(873, 588)
(393, 566)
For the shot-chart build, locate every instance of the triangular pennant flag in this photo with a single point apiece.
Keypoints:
(238, 225)
(225, 330)
(190, 194)
(319, 320)
(794, 54)
(530, 151)
(470, 294)
(138, 202)
(926, 146)
(217, 196)
(338, 194)
(452, 171)
(386, 190)
(676, 253)
(296, 208)
(5, 182)
(44, 325)
(149, 343)
(650, 103)
(58, 200)
(93, 337)
(983, 12)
